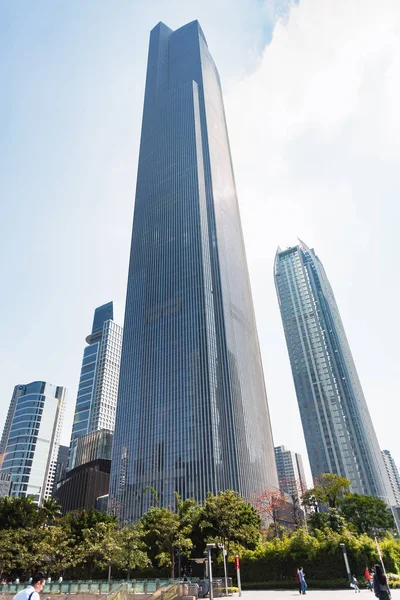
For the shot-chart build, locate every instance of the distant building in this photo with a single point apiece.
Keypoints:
(102, 503)
(98, 385)
(290, 471)
(31, 437)
(396, 515)
(393, 474)
(90, 477)
(338, 428)
(93, 445)
(83, 485)
(5, 483)
(62, 463)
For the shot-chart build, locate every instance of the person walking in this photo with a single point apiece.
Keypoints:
(303, 582)
(381, 587)
(368, 579)
(298, 580)
(32, 592)
(354, 583)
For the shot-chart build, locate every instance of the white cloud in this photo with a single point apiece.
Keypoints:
(315, 141)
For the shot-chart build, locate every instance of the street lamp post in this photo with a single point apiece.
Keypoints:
(224, 553)
(209, 548)
(346, 561)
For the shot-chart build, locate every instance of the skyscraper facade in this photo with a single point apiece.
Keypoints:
(393, 474)
(290, 468)
(31, 438)
(192, 412)
(98, 385)
(338, 429)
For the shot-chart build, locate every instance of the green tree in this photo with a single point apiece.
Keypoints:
(22, 551)
(367, 514)
(19, 513)
(163, 537)
(50, 510)
(83, 547)
(329, 490)
(75, 522)
(133, 550)
(331, 519)
(98, 548)
(227, 518)
(58, 551)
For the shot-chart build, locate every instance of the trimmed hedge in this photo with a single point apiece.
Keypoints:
(320, 556)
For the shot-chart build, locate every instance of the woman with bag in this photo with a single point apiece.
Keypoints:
(381, 587)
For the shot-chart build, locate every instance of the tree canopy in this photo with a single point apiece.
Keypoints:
(329, 490)
(367, 514)
(84, 544)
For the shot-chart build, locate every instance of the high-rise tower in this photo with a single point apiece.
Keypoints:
(31, 438)
(192, 412)
(393, 474)
(98, 385)
(291, 476)
(89, 457)
(337, 426)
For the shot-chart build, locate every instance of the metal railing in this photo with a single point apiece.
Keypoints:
(100, 587)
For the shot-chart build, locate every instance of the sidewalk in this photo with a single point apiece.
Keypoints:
(315, 595)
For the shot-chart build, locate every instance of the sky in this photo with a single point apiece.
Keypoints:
(312, 97)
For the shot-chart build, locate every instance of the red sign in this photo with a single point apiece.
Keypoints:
(237, 564)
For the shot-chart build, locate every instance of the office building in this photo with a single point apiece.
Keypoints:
(94, 445)
(98, 385)
(192, 413)
(393, 474)
(5, 483)
(90, 477)
(292, 480)
(62, 463)
(31, 437)
(337, 426)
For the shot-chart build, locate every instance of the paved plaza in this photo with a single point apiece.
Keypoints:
(314, 594)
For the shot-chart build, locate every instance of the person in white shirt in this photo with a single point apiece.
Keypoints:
(32, 592)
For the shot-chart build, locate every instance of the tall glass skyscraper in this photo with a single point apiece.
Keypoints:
(98, 385)
(192, 412)
(338, 429)
(31, 438)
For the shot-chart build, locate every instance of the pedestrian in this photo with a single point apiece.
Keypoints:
(303, 582)
(354, 583)
(298, 580)
(381, 587)
(368, 579)
(32, 592)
